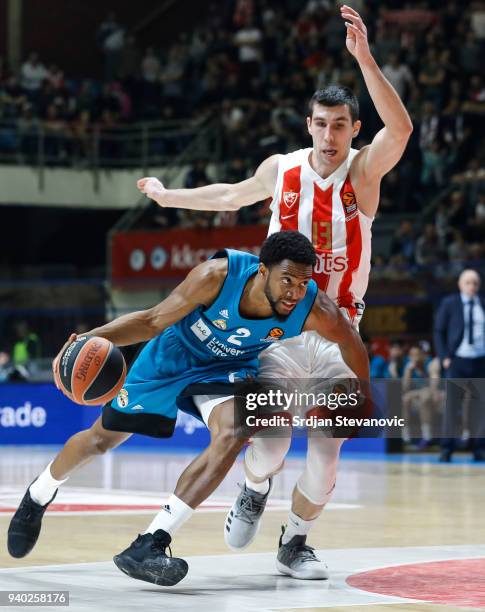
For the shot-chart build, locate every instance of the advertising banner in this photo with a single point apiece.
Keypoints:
(171, 254)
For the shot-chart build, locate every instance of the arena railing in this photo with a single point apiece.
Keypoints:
(142, 145)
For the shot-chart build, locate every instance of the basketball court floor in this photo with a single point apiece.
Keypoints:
(403, 533)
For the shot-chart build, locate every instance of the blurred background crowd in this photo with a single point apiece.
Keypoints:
(252, 65)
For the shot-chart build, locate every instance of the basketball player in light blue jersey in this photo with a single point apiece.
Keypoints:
(210, 329)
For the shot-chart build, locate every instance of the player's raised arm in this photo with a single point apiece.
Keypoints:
(220, 196)
(201, 286)
(388, 145)
(326, 319)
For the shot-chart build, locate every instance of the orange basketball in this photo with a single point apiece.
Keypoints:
(92, 370)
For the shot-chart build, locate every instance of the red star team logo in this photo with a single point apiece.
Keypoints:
(290, 197)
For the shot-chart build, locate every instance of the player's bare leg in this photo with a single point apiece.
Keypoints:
(81, 448)
(25, 526)
(208, 469)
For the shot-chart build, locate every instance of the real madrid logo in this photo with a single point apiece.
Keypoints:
(220, 323)
(123, 398)
(275, 333)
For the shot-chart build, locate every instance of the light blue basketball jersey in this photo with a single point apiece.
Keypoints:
(220, 332)
(214, 345)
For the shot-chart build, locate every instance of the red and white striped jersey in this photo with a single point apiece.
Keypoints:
(325, 211)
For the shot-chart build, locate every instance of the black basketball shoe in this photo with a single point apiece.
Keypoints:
(25, 525)
(147, 560)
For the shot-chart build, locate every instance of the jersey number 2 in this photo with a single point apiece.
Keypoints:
(242, 332)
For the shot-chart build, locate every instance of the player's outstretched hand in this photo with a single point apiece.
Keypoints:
(150, 186)
(356, 40)
(55, 363)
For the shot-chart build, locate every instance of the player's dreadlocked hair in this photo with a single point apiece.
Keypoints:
(287, 245)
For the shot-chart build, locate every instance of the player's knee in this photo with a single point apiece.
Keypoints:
(225, 444)
(100, 444)
(266, 455)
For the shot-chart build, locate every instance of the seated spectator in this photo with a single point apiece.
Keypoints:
(150, 66)
(12, 98)
(10, 372)
(480, 206)
(457, 216)
(172, 74)
(5, 366)
(82, 137)
(432, 77)
(32, 74)
(457, 252)
(111, 38)
(197, 174)
(397, 359)
(399, 75)
(404, 241)
(27, 347)
(378, 364)
(249, 41)
(378, 268)
(56, 77)
(421, 393)
(475, 97)
(398, 269)
(56, 134)
(428, 248)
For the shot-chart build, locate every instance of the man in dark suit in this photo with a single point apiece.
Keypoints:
(459, 336)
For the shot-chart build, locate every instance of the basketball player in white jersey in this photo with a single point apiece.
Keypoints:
(330, 193)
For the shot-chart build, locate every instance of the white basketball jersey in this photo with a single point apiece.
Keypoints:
(325, 211)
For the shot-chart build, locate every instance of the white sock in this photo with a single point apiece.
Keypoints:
(426, 431)
(259, 487)
(42, 490)
(296, 526)
(171, 517)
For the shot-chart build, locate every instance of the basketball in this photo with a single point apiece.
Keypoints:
(92, 370)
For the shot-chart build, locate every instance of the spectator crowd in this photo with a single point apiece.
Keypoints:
(255, 63)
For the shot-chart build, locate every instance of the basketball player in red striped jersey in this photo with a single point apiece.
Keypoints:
(330, 193)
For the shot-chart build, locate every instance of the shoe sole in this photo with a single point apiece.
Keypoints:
(301, 576)
(228, 533)
(131, 569)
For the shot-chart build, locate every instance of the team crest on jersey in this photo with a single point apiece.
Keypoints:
(123, 398)
(220, 323)
(274, 334)
(289, 198)
(350, 202)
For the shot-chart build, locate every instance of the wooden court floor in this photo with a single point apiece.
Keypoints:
(378, 504)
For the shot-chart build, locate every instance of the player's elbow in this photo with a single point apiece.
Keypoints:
(409, 127)
(151, 322)
(405, 129)
(230, 200)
